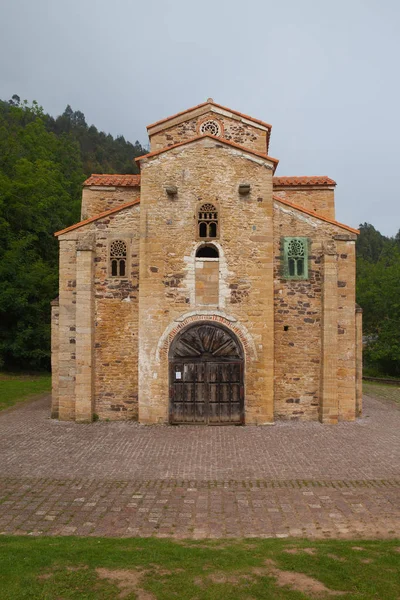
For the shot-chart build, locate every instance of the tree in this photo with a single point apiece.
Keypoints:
(100, 152)
(15, 100)
(370, 243)
(43, 162)
(40, 180)
(378, 293)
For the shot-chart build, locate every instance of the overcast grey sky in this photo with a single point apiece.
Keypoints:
(325, 74)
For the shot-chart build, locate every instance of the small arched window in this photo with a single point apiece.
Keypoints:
(118, 258)
(207, 221)
(202, 230)
(207, 252)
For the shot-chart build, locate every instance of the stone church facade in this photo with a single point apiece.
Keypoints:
(207, 290)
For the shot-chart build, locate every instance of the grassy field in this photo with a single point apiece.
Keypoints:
(382, 391)
(158, 569)
(71, 568)
(15, 388)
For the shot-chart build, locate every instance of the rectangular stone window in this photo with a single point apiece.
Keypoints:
(295, 257)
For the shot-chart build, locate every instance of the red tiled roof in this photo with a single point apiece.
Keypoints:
(299, 181)
(134, 180)
(96, 217)
(314, 214)
(213, 137)
(113, 180)
(235, 112)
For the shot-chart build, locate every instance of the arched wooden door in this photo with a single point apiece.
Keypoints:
(206, 377)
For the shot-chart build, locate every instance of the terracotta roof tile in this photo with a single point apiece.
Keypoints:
(113, 180)
(134, 180)
(213, 137)
(299, 181)
(314, 214)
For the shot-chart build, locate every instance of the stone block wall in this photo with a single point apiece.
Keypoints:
(116, 313)
(299, 320)
(66, 331)
(237, 291)
(97, 357)
(318, 199)
(205, 172)
(297, 325)
(55, 357)
(346, 326)
(233, 129)
(359, 365)
(84, 355)
(98, 199)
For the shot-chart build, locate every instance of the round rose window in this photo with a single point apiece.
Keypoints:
(211, 127)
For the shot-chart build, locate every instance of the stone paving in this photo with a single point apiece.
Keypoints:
(124, 479)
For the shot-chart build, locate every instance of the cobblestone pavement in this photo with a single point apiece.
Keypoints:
(124, 479)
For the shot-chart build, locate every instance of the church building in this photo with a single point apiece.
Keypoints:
(207, 290)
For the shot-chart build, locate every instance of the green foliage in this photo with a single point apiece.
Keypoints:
(43, 162)
(382, 391)
(100, 153)
(40, 178)
(16, 388)
(370, 243)
(163, 569)
(378, 293)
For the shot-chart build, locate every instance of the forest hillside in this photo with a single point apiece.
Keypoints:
(378, 293)
(43, 163)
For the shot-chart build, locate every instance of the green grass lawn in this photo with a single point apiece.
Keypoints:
(15, 388)
(382, 391)
(159, 569)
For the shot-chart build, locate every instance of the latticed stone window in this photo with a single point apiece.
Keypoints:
(295, 258)
(211, 127)
(118, 258)
(207, 221)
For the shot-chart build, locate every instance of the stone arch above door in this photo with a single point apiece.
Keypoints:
(206, 338)
(247, 342)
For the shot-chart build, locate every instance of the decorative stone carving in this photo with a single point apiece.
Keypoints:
(329, 247)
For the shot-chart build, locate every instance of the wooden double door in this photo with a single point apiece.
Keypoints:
(206, 377)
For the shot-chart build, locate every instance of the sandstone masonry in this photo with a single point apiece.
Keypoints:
(206, 289)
